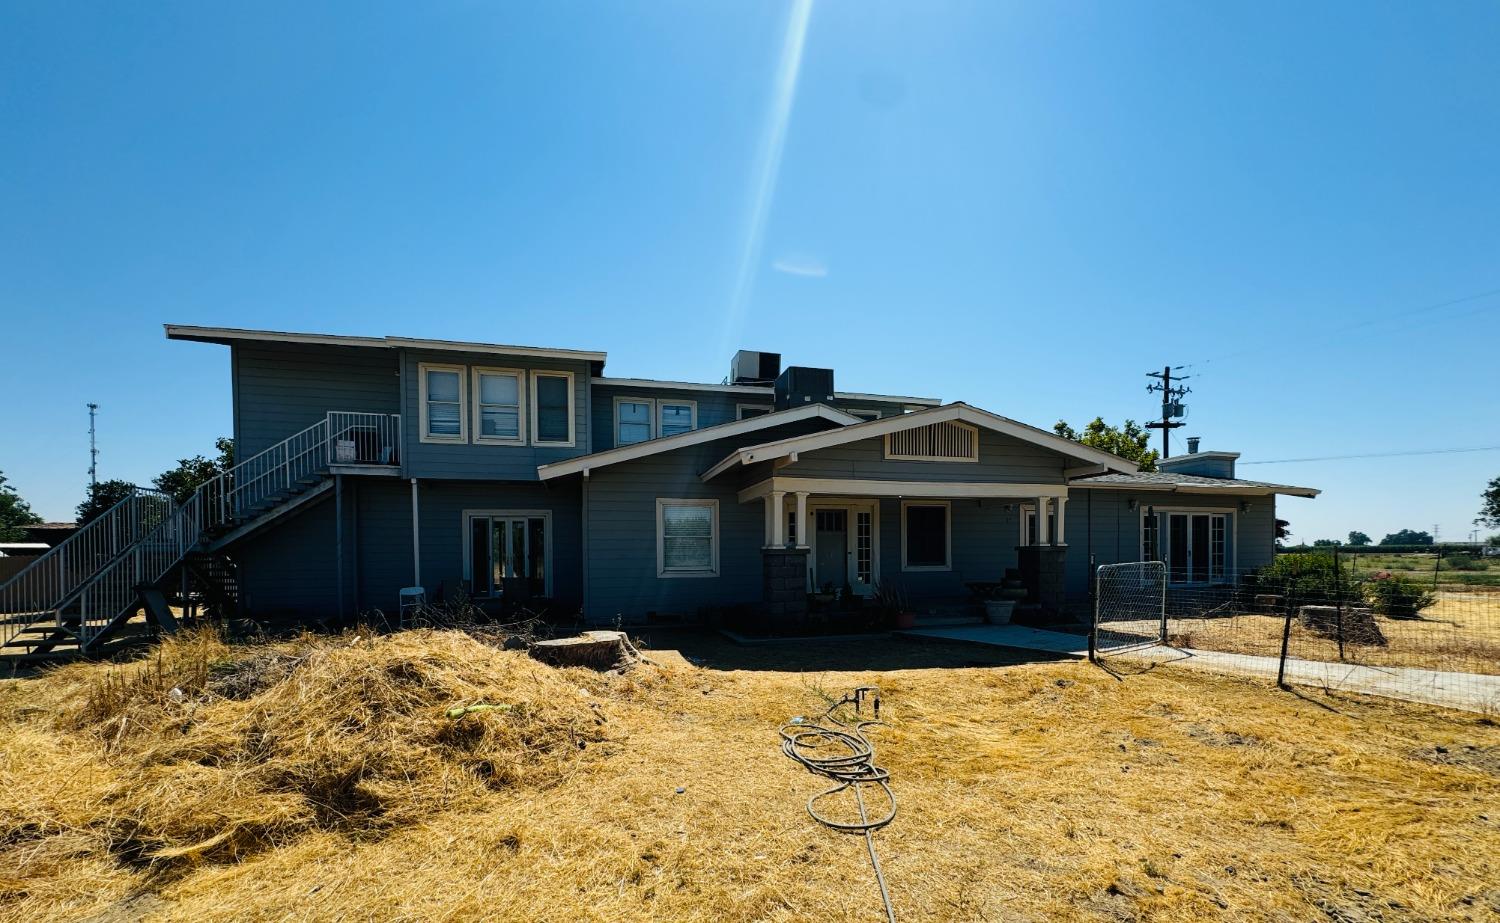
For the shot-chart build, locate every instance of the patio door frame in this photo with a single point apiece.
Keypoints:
(1164, 514)
(807, 534)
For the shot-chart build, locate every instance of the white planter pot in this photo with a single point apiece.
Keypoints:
(998, 611)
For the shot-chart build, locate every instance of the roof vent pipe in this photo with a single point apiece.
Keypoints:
(1192, 445)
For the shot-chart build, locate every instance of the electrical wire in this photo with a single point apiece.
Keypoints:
(1317, 458)
(851, 766)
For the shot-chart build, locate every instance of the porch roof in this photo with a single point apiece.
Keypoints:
(584, 463)
(1188, 484)
(1094, 459)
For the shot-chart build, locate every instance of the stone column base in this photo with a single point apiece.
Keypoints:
(1042, 571)
(784, 587)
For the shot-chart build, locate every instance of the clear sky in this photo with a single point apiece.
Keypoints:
(1023, 206)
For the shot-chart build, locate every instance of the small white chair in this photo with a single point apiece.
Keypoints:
(413, 598)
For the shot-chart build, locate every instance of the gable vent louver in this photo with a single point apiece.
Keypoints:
(947, 441)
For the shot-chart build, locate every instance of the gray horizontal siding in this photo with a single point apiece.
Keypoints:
(983, 545)
(1001, 459)
(282, 389)
(292, 566)
(478, 461)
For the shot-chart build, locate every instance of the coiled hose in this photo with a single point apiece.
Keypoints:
(851, 765)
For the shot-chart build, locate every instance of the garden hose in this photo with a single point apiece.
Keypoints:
(852, 766)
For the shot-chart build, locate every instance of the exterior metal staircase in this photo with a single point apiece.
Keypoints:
(80, 591)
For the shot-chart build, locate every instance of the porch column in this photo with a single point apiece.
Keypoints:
(777, 501)
(1061, 502)
(1043, 534)
(416, 538)
(802, 525)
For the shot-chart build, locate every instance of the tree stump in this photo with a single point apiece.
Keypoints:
(597, 650)
(1358, 624)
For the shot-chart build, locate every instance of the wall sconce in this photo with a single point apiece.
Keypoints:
(1244, 506)
(1132, 504)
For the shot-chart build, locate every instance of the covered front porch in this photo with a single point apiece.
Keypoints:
(936, 547)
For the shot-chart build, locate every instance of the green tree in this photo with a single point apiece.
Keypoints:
(1489, 510)
(1128, 441)
(1358, 538)
(100, 497)
(1407, 537)
(1327, 543)
(1283, 531)
(191, 473)
(15, 514)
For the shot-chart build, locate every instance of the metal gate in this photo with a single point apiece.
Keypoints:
(1130, 608)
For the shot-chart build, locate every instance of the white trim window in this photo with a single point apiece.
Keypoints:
(864, 414)
(687, 538)
(633, 420)
(746, 411)
(926, 535)
(444, 404)
(1196, 544)
(552, 419)
(1028, 523)
(500, 406)
(948, 441)
(674, 417)
(507, 548)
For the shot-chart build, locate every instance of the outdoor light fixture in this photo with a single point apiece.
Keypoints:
(1131, 504)
(1244, 506)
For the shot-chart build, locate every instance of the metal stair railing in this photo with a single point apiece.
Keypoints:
(257, 484)
(37, 592)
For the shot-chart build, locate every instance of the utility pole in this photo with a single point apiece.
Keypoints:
(1171, 403)
(93, 448)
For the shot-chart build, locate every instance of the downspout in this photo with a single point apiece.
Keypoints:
(416, 538)
(338, 536)
(583, 601)
(354, 537)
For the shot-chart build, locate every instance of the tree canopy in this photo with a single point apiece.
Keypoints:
(1128, 441)
(15, 514)
(1407, 537)
(99, 497)
(1358, 538)
(1327, 543)
(1489, 510)
(190, 473)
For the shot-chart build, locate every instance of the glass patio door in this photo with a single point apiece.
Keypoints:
(508, 548)
(1195, 547)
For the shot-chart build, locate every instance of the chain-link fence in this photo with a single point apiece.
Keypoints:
(1314, 619)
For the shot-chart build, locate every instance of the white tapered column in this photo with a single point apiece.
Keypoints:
(778, 518)
(802, 525)
(1061, 502)
(1043, 534)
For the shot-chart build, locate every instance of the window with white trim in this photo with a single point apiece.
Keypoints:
(687, 538)
(675, 417)
(499, 406)
(864, 414)
(443, 403)
(926, 536)
(746, 411)
(948, 441)
(632, 420)
(552, 408)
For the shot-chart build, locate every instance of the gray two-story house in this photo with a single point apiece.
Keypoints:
(369, 465)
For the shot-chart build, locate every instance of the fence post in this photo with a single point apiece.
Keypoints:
(1094, 628)
(1437, 562)
(1286, 637)
(1338, 598)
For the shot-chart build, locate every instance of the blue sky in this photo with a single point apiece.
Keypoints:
(1024, 206)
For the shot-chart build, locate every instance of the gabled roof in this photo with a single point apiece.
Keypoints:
(1189, 484)
(585, 463)
(956, 411)
(228, 335)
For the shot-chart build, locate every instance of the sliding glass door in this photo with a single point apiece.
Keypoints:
(508, 554)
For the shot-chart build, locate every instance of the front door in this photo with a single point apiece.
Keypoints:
(1195, 547)
(844, 546)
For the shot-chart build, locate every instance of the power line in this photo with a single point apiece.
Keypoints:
(1284, 461)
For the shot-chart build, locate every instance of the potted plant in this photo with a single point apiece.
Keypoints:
(892, 600)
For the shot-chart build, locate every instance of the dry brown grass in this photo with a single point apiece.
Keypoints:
(337, 789)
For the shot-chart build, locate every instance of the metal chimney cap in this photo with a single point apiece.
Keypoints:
(1192, 442)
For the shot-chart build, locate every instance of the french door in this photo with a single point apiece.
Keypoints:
(1194, 546)
(844, 545)
(505, 549)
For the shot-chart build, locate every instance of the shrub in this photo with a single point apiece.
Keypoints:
(1398, 597)
(1309, 577)
(1463, 562)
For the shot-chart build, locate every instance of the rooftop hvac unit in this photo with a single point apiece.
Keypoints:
(751, 367)
(800, 385)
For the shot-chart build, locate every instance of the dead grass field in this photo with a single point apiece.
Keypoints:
(321, 779)
(1459, 633)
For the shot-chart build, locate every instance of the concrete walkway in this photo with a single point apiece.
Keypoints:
(1467, 691)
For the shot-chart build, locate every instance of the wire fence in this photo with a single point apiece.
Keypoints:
(1316, 619)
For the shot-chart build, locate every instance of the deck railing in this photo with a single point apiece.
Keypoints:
(36, 593)
(254, 486)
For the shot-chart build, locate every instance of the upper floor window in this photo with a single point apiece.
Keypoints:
(552, 408)
(674, 417)
(746, 411)
(632, 420)
(499, 412)
(443, 405)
